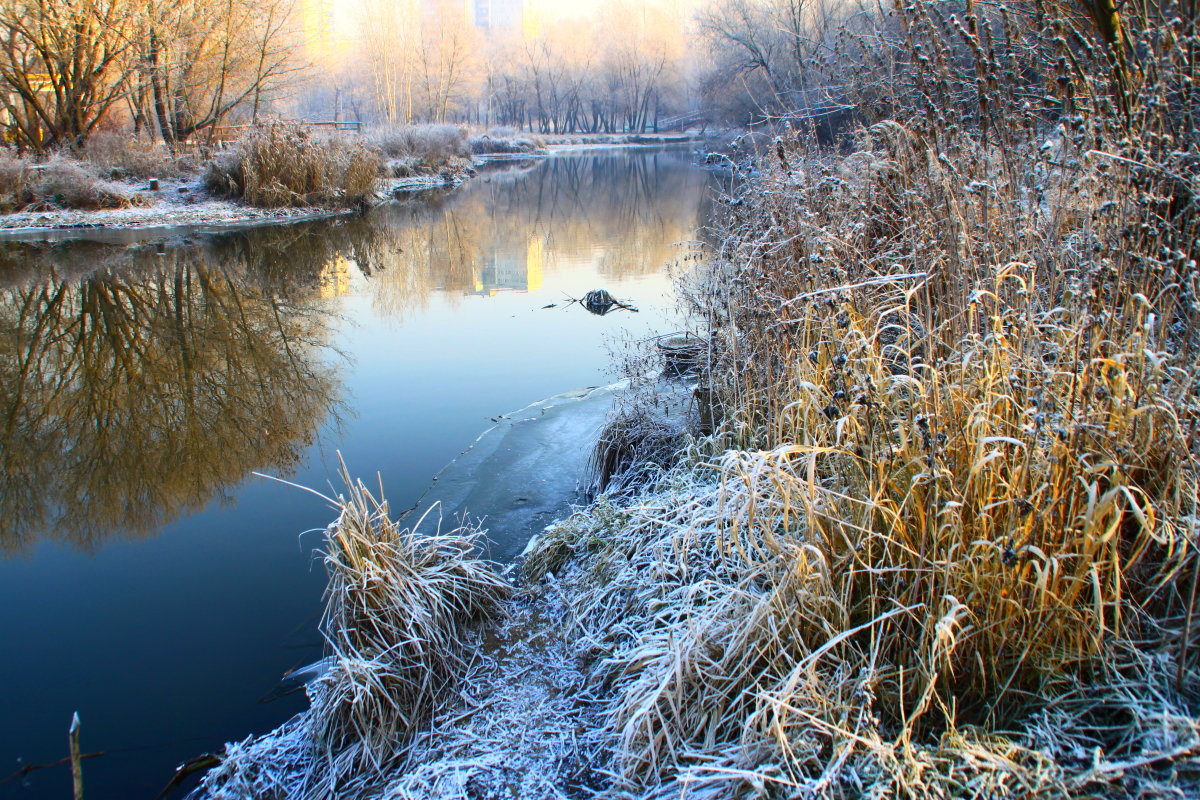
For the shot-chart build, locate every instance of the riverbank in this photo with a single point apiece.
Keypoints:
(186, 203)
(938, 539)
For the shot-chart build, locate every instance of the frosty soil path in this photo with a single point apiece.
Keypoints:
(524, 726)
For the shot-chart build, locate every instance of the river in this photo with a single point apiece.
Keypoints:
(148, 580)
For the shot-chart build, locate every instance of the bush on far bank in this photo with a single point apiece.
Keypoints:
(491, 145)
(119, 155)
(282, 164)
(60, 183)
(435, 145)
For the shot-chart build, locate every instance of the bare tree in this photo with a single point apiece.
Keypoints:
(389, 31)
(446, 60)
(202, 59)
(63, 65)
(768, 56)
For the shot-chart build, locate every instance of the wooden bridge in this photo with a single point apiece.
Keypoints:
(229, 133)
(680, 122)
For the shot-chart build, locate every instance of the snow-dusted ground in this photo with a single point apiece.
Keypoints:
(523, 723)
(525, 726)
(176, 204)
(187, 204)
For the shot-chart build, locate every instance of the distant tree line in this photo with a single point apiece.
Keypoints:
(179, 69)
(621, 70)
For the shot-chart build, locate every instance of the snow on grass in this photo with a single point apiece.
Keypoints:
(527, 723)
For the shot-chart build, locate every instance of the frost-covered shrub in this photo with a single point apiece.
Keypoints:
(486, 144)
(433, 144)
(117, 154)
(58, 183)
(14, 182)
(286, 165)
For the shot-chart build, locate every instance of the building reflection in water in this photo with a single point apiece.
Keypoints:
(334, 280)
(508, 269)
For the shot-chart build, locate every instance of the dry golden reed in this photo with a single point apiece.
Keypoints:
(944, 542)
(284, 164)
(399, 606)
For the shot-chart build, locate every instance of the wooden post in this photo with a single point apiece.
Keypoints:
(76, 762)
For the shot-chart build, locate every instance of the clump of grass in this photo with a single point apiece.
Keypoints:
(286, 165)
(14, 182)
(58, 183)
(62, 183)
(640, 438)
(721, 632)
(407, 167)
(398, 608)
(579, 534)
(117, 155)
(434, 145)
(489, 144)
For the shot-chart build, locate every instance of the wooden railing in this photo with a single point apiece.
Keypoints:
(680, 122)
(228, 133)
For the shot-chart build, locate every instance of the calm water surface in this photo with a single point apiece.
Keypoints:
(147, 580)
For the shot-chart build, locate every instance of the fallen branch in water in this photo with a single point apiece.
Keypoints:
(28, 768)
(597, 301)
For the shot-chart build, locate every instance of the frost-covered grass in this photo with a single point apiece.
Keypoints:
(399, 608)
(57, 183)
(943, 541)
(287, 165)
(717, 623)
(121, 155)
(434, 144)
(528, 723)
(490, 144)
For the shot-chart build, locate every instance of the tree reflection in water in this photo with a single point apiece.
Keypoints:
(141, 382)
(139, 392)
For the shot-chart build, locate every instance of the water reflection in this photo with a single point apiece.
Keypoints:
(509, 229)
(141, 382)
(139, 392)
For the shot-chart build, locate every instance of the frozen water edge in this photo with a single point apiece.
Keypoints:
(526, 470)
